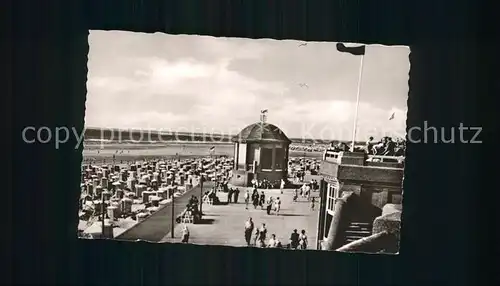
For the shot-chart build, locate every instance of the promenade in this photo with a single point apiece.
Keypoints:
(155, 227)
(224, 224)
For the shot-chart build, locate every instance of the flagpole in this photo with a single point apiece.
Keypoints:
(357, 102)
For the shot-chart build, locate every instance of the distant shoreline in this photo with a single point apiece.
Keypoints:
(143, 136)
(181, 142)
(146, 142)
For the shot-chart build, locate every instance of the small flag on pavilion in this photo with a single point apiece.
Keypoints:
(263, 116)
(392, 116)
(357, 51)
(212, 149)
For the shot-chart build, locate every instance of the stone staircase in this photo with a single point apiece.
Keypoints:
(357, 230)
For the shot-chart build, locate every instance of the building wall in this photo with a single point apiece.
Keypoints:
(378, 185)
(276, 154)
(242, 156)
(369, 174)
(374, 187)
(275, 169)
(241, 178)
(271, 176)
(236, 153)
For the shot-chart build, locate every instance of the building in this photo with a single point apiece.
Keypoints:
(360, 202)
(260, 151)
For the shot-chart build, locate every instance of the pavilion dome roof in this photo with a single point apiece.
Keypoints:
(261, 132)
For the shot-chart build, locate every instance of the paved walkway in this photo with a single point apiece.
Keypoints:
(155, 227)
(225, 223)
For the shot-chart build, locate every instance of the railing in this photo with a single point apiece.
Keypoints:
(374, 241)
(330, 155)
(385, 159)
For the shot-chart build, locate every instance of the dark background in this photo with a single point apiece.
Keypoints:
(448, 236)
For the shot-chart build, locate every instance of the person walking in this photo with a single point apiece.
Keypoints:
(313, 202)
(185, 234)
(255, 198)
(248, 230)
(277, 205)
(269, 205)
(294, 239)
(262, 200)
(261, 236)
(247, 199)
(236, 195)
(303, 240)
(282, 186)
(230, 196)
(308, 192)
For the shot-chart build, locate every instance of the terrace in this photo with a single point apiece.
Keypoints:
(370, 160)
(356, 189)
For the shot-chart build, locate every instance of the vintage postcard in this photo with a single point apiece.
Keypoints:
(243, 142)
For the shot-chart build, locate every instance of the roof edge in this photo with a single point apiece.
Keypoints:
(288, 141)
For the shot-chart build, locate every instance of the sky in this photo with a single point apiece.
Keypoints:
(189, 83)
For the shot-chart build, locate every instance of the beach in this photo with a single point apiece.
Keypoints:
(139, 151)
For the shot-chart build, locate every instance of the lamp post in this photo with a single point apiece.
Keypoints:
(102, 214)
(322, 212)
(201, 196)
(172, 227)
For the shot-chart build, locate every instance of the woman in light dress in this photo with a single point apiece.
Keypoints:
(303, 240)
(277, 205)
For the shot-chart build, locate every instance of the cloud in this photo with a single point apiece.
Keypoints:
(211, 84)
(334, 119)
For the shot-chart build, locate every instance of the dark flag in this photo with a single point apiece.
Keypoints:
(357, 51)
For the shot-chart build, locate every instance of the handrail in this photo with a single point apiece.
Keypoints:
(330, 154)
(157, 211)
(334, 235)
(386, 157)
(363, 242)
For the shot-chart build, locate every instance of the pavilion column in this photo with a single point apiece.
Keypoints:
(273, 158)
(286, 159)
(236, 156)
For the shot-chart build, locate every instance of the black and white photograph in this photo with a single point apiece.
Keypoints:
(244, 142)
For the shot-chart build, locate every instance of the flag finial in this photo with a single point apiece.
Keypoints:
(263, 116)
